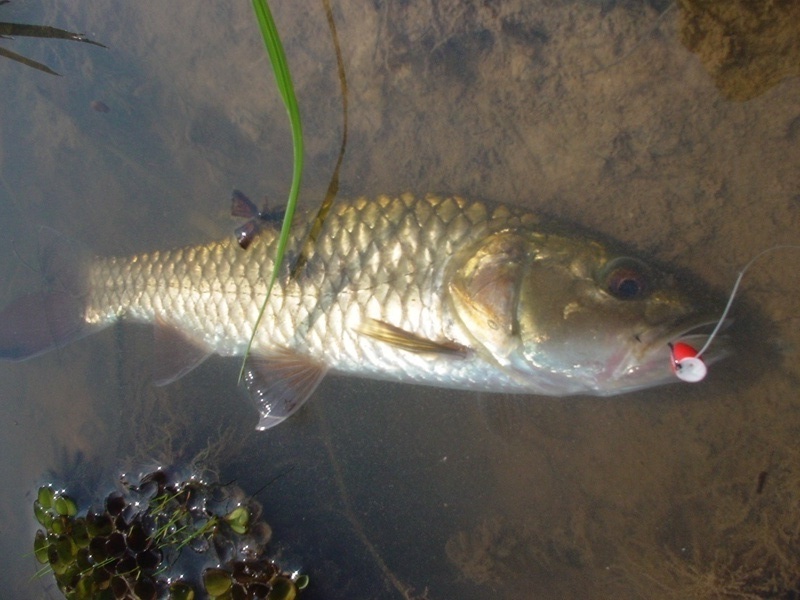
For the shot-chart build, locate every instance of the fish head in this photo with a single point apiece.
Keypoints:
(568, 314)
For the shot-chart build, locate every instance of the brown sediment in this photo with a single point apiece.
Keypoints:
(726, 541)
(747, 46)
(500, 550)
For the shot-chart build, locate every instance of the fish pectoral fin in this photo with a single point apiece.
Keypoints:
(175, 353)
(406, 340)
(279, 383)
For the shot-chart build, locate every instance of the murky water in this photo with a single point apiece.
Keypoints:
(592, 111)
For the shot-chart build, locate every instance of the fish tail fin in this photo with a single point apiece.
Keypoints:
(55, 316)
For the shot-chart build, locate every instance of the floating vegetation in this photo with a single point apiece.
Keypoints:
(163, 537)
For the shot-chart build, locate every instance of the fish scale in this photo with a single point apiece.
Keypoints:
(353, 274)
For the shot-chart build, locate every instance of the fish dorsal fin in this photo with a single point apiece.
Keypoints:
(175, 353)
(406, 340)
(279, 383)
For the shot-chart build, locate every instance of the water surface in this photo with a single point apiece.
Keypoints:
(591, 111)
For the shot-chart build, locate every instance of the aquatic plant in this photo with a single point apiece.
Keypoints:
(163, 537)
(283, 78)
(8, 30)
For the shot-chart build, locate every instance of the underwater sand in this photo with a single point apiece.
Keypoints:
(593, 111)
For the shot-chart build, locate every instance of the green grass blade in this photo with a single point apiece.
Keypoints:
(43, 31)
(11, 30)
(333, 186)
(284, 80)
(26, 61)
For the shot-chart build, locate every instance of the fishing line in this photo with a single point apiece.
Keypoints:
(687, 363)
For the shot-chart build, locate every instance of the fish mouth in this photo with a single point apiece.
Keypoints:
(650, 361)
(696, 333)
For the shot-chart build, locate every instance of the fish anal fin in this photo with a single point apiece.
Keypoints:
(406, 340)
(176, 354)
(279, 383)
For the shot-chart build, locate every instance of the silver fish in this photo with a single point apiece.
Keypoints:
(435, 291)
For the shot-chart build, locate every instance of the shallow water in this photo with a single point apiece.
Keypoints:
(592, 111)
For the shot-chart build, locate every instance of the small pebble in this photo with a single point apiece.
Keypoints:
(99, 106)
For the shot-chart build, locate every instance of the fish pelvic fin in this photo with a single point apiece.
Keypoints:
(55, 316)
(279, 383)
(411, 342)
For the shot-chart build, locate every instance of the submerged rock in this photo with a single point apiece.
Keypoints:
(747, 46)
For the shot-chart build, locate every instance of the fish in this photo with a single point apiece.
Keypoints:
(431, 290)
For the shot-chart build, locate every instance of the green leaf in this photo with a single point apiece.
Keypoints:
(181, 591)
(45, 496)
(283, 79)
(44, 517)
(217, 581)
(302, 582)
(43, 31)
(65, 506)
(39, 31)
(282, 589)
(40, 546)
(239, 519)
(57, 525)
(79, 533)
(66, 548)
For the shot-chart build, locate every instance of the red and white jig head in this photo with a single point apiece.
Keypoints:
(686, 362)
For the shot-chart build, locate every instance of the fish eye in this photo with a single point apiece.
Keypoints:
(626, 279)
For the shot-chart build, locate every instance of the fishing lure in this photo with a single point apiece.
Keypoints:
(685, 360)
